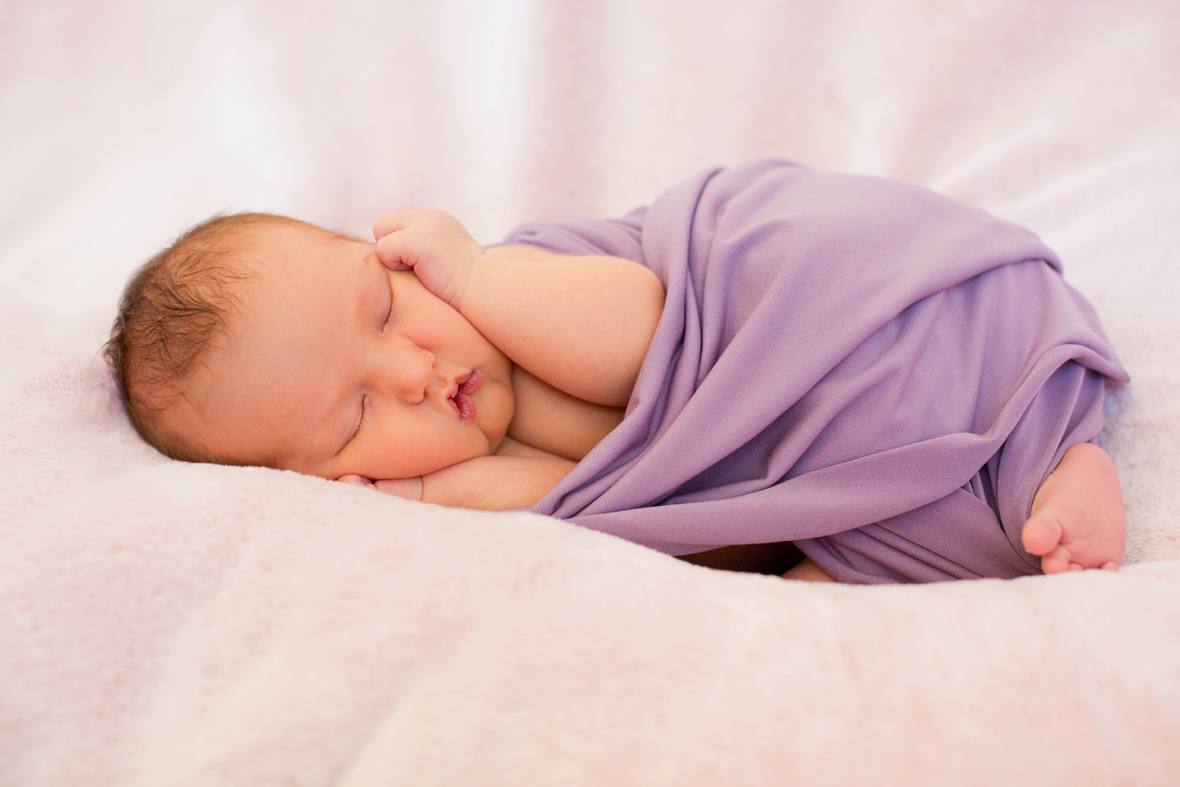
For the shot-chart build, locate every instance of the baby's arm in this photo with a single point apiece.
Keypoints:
(495, 483)
(581, 323)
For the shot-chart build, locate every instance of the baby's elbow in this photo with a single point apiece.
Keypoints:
(652, 311)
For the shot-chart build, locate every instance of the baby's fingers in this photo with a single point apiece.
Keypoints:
(395, 252)
(393, 221)
(355, 480)
(409, 488)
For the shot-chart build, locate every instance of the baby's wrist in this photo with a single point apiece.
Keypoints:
(469, 274)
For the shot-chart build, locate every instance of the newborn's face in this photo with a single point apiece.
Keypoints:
(325, 331)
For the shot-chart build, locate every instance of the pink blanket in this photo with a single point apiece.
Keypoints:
(177, 624)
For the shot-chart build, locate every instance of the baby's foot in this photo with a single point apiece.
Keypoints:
(1077, 519)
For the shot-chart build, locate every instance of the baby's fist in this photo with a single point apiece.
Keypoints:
(434, 244)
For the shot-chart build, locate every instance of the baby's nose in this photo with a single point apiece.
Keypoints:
(407, 373)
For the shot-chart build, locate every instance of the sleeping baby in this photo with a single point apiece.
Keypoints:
(426, 366)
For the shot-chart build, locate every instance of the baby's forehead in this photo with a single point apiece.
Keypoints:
(310, 273)
(285, 249)
(284, 236)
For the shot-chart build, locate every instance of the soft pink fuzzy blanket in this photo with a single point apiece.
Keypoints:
(174, 624)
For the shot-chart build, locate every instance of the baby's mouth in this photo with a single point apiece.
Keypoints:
(464, 407)
(461, 401)
(471, 382)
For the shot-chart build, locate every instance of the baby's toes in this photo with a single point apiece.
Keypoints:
(1041, 533)
(1056, 561)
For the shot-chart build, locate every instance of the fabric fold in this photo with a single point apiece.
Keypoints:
(862, 366)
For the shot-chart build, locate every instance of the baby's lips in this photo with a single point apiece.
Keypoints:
(355, 480)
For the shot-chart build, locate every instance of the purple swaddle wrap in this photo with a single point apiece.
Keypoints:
(871, 370)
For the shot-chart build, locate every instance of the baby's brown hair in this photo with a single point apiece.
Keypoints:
(171, 310)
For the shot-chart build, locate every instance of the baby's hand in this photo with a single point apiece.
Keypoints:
(409, 488)
(486, 483)
(434, 244)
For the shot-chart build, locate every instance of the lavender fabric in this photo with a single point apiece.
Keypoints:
(871, 370)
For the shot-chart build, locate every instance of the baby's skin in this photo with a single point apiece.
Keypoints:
(1077, 519)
